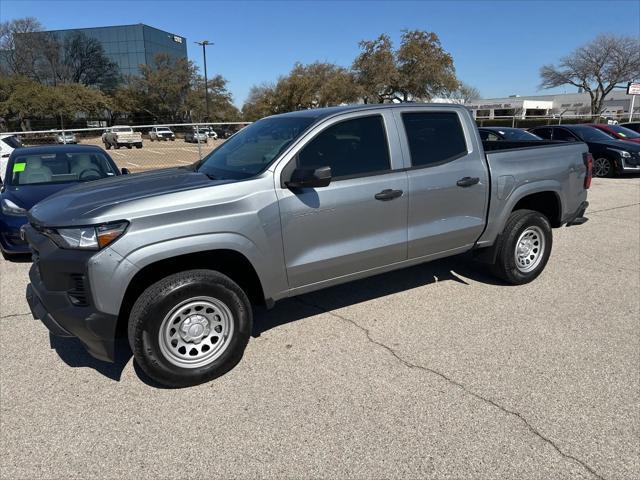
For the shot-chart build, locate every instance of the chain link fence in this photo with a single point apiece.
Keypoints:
(141, 147)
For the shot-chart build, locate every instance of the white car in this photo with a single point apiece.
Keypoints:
(161, 133)
(66, 138)
(211, 133)
(8, 143)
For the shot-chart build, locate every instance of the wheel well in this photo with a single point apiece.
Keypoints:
(228, 262)
(547, 203)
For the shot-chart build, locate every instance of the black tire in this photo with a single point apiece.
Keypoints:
(138, 145)
(129, 146)
(117, 146)
(107, 146)
(505, 266)
(156, 303)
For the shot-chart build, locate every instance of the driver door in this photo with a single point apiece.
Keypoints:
(335, 232)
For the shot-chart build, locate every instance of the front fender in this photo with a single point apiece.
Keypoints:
(110, 274)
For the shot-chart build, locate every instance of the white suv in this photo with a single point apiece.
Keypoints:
(8, 143)
(161, 133)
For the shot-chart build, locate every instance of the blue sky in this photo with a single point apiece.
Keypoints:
(497, 46)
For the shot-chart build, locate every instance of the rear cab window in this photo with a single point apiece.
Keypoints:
(352, 148)
(434, 138)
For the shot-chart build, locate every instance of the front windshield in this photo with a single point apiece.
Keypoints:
(123, 130)
(624, 132)
(591, 134)
(252, 150)
(49, 168)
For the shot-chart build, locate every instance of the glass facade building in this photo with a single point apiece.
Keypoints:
(132, 45)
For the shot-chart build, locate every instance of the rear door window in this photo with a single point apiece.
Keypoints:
(351, 148)
(543, 132)
(563, 135)
(434, 137)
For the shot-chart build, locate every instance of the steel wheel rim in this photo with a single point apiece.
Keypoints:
(601, 167)
(196, 332)
(529, 249)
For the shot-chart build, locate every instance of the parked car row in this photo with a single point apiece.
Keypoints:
(614, 148)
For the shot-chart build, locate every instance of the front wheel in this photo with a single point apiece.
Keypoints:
(602, 167)
(523, 248)
(138, 145)
(190, 327)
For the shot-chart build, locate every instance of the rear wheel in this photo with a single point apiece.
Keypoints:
(107, 146)
(602, 167)
(190, 327)
(524, 247)
(138, 145)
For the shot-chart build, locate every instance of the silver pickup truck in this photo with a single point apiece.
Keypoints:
(293, 203)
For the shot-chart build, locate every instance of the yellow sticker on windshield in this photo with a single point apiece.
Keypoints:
(19, 167)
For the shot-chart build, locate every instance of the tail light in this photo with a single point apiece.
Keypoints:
(588, 162)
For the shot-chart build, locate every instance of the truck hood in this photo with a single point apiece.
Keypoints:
(89, 200)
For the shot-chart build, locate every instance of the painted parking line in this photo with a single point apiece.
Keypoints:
(133, 164)
(182, 161)
(118, 153)
(156, 151)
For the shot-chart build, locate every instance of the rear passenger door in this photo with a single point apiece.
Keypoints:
(448, 182)
(346, 227)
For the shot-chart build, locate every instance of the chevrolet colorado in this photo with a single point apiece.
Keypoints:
(290, 204)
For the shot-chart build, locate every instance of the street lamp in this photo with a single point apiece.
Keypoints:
(204, 44)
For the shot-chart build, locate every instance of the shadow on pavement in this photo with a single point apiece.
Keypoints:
(352, 293)
(73, 353)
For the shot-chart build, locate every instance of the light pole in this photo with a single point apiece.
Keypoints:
(204, 44)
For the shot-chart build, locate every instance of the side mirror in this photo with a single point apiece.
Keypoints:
(310, 178)
(125, 171)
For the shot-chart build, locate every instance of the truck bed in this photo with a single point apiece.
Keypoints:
(530, 166)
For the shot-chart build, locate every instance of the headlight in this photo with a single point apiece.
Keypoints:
(11, 209)
(622, 153)
(87, 238)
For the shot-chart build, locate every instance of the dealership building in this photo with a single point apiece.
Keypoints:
(617, 103)
(130, 46)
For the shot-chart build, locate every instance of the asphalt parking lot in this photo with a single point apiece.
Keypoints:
(438, 371)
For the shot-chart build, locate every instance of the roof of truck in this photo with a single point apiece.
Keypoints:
(320, 113)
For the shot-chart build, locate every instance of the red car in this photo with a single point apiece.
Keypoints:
(618, 132)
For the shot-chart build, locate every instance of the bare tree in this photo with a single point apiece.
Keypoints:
(463, 94)
(20, 51)
(596, 67)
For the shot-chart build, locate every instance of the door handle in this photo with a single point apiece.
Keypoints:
(467, 181)
(388, 194)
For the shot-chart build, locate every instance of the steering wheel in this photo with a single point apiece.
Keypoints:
(89, 173)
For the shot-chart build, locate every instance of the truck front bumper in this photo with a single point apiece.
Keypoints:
(62, 300)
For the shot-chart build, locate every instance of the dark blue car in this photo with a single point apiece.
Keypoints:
(34, 173)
